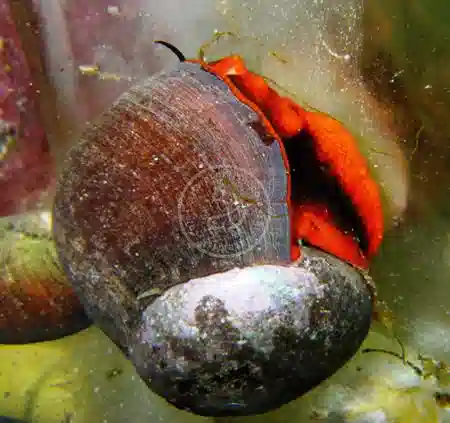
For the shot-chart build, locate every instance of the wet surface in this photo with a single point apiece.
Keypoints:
(250, 340)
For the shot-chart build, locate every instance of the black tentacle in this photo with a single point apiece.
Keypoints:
(173, 49)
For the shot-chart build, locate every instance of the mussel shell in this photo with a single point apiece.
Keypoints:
(251, 339)
(173, 182)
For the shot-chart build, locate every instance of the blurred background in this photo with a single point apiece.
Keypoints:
(379, 66)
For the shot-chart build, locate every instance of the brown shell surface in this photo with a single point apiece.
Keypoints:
(37, 302)
(173, 182)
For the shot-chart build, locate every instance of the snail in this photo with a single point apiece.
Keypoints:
(220, 235)
(37, 302)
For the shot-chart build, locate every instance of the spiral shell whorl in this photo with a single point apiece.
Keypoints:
(171, 183)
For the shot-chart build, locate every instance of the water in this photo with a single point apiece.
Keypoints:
(336, 54)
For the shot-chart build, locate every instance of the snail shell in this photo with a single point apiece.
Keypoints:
(37, 302)
(153, 196)
(166, 193)
(251, 339)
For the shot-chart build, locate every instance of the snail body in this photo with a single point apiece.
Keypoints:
(177, 220)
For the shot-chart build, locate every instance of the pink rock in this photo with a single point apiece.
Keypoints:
(26, 170)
